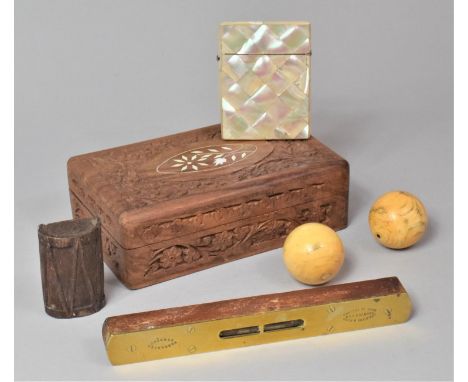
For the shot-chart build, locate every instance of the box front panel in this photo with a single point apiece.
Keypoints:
(291, 190)
(174, 258)
(169, 259)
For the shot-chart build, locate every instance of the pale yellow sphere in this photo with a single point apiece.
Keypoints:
(397, 219)
(313, 253)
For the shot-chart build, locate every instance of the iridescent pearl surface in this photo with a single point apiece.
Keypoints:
(264, 80)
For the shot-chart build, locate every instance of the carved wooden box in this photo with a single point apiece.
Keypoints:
(186, 202)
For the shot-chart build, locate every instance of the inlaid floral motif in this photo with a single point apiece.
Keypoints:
(206, 158)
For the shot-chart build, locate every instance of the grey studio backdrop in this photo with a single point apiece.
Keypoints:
(91, 75)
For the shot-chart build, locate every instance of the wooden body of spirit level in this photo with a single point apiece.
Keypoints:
(255, 320)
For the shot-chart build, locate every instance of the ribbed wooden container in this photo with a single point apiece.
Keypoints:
(72, 267)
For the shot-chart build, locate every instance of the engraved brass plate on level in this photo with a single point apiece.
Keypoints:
(136, 340)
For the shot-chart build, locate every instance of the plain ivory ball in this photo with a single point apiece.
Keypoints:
(313, 253)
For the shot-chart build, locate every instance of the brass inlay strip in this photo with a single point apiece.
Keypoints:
(219, 334)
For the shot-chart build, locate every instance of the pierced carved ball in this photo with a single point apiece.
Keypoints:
(313, 253)
(397, 219)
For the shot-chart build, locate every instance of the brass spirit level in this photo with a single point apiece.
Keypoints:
(255, 320)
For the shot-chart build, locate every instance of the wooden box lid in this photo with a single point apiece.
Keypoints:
(184, 183)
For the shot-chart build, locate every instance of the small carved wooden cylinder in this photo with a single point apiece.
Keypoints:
(72, 267)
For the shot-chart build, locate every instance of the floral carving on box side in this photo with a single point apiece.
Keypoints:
(221, 215)
(219, 244)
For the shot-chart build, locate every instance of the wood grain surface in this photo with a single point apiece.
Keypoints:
(178, 204)
(251, 305)
(72, 267)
